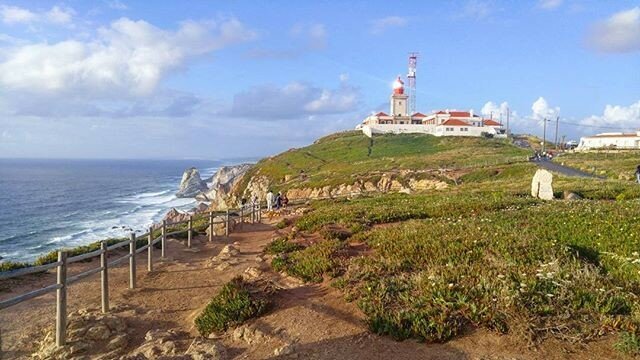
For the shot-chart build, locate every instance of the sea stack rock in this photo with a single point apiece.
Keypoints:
(191, 184)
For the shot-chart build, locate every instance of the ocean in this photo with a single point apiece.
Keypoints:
(51, 204)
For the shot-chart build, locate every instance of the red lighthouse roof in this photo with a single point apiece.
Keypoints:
(398, 86)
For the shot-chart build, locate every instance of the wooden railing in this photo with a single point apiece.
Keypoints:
(61, 265)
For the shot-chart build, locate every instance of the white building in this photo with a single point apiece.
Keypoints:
(441, 123)
(610, 141)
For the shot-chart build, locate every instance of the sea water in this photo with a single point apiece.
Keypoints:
(51, 204)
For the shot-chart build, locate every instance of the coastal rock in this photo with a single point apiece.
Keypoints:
(200, 208)
(174, 215)
(90, 334)
(221, 184)
(541, 185)
(568, 195)
(191, 184)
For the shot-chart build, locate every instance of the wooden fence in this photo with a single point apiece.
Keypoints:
(63, 262)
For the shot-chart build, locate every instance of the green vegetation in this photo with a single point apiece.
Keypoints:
(347, 157)
(236, 303)
(618, 165)
(281, 246)
(12, 265)
(478, 257)
(629, 343)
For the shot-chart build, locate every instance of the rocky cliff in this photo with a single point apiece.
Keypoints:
(191, 184)
(221, 185)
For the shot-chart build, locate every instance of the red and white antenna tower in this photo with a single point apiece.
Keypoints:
(411, 76)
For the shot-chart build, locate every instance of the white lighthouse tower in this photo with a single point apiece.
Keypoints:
(399, 106)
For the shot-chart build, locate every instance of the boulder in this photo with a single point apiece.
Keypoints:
(191, 184)
(568, 195)
(541, 185)
(174, 215)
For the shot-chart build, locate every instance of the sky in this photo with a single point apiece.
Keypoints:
(225, 79)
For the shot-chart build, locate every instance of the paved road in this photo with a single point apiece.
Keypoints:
(564, 170)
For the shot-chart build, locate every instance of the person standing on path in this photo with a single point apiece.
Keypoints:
(270, 201)
(638, 174)
(278, 201)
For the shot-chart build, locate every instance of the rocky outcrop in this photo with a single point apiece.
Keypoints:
(386, 183)
(222, 184)
(87, 333)
(191, 184)
(174, 215)
(227, 174)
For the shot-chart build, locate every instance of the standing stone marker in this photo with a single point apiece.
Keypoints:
(541, 185)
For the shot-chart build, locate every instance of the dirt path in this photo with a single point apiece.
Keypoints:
(308, 321)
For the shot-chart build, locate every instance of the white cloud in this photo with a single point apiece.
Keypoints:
(549, 4)
(495, 111)
(624, 117)
(541, 110)
(293, 101)
(16, 15)
(58, 15)
(127, 58)
(619, 33)
(477, 9)
(379, 26)
(117, 5)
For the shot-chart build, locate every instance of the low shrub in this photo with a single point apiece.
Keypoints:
(236, 303)
(311, 263)
(628, 343)
(12, 265)
(281, 246)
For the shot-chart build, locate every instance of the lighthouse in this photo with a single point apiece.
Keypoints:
(399, 106)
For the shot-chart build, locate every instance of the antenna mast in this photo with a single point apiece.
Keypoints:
(411, 76)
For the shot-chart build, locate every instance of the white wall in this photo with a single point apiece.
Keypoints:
(627, 142)
(369, 130)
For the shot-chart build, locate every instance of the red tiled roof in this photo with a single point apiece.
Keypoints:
(381, 114)
(455, 122)
(489, 122)
(454, 113)
(419, 115)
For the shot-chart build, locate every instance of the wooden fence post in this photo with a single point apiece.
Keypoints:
(241, 216)
(61, 300)
(210, 226)
(132, 261)
(189, 231)
(150, 250)
(104, 277)
(226, 228)
(163, 242)
(259, 212)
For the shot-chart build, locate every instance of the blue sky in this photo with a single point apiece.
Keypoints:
(219, 79)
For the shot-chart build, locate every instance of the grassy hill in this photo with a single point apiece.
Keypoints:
(346, 157)
(481, 254)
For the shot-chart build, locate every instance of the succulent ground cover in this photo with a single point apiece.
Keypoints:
(440, 264)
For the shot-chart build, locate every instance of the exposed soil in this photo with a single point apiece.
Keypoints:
(313, 320)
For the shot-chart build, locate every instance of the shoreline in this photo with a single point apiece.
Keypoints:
(110, 215)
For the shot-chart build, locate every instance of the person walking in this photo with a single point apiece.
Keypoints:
(638, 174)
(278, 201)
(270, 201)
(285, 201)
